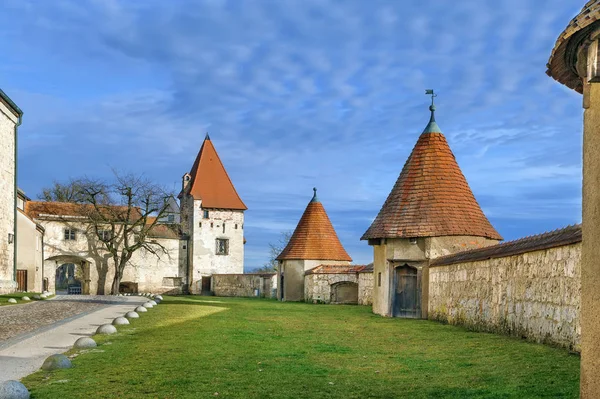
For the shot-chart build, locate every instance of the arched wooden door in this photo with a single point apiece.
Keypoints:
(406, 301)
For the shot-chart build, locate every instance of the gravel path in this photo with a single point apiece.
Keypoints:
(20, 319)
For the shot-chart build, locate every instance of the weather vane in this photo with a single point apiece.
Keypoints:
(430, 92)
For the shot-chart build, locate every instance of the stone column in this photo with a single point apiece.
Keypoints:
(590, 253)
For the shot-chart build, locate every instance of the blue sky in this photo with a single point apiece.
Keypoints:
(296, 94)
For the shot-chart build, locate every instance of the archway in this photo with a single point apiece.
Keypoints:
(344, 292)
(68, 275)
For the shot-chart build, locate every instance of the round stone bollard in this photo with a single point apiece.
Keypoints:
(12, 300)
(26, 298)
(12, 389)
(84, 342)
(43, 296)
(106, 329)
(120, 321)
(56, 362)
(159, 297)
(154, 303)
(141, 309)
(132, 315)
(148, 305)
(157, 300)
(37, 297)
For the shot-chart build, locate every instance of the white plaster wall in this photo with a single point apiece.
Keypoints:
(204, 233)
(536, 295)
(7, 198)
(29, 252)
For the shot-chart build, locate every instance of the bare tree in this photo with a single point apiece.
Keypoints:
(120, 215)
(59, 192)
(274, 251)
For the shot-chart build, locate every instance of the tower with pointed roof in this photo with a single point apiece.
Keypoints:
(212, 216)
(431, 211)
(313, 243)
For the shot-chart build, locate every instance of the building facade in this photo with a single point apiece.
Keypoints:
(10, 119)
(430, 212)
(212, 216)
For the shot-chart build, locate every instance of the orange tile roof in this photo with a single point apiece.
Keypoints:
(314, 237)
(431, 197)
(210, 182)
(35, 209)
(340, 269)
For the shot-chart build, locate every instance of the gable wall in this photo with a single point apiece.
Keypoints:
(7, 198)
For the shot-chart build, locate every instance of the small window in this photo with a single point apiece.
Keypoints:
(211, 225)
(222, 246)
(379, 279)
(236, 226)
(171, 218)
(206, 214)
(200, 224)
(412, 240)
(223, 228)
(104, 235)
(69, 234)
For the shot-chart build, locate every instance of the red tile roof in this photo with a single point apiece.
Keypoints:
(340, 269)
(566, 236)
(35, 209)
(210, 182)
(431, 197)
(314, 237)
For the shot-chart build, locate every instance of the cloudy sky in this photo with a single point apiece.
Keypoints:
(296, 94)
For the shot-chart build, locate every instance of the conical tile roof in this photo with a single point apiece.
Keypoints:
(314, 237)
(431, 197)
(210, 182)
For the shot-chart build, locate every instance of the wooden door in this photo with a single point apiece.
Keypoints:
(22, 280)
(206, 285)
(406, 293)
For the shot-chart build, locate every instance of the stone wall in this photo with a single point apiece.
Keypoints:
(365, 288)
(317, 287)
(244, 285)
(534, 295)
(8, 120)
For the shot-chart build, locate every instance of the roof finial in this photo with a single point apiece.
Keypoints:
(314, 198)
(207, 136)
(432, 126)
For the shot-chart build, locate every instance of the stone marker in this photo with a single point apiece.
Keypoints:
(84, 342)
(12, 300)
(56, 362)
(26, 298)
(43, 296)
(12, 389)
(106, 329)
(37, 297)
(157, 300)
(148, 305)
(159, 297)
(154, 303)
(132, 315)
(141, 309)
(120, 321)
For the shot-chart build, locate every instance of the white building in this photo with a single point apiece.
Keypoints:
(10, 119)
(212, 216)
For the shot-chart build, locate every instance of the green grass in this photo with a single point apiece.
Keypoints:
(201, 347)
(18, 296)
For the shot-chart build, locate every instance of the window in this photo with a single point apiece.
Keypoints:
(379, 279)
(223, 227)
(222, 246)
(211, 225)
(171, 218)
(412, 240)
(70, 234)
(206, 214)
(236, 226)
(104, 235)
(200, 224)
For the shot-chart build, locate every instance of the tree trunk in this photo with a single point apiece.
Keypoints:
(114, 290)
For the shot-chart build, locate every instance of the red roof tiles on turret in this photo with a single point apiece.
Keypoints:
(210, 182)
(314, 237)
(431, 197)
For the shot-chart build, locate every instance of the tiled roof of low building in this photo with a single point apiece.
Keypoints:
(210, 182)
(314, 237)
(431, 197)
(165, 231)
(565, 236)
(340, 269)
(37, 209)
(563, 59)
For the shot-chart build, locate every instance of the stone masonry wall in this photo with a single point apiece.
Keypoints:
(365, 288)
(534, 295)
(244, 285)
(7, 198)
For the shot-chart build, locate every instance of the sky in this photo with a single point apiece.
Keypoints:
(299, 94)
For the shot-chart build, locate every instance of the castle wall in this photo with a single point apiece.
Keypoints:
(534, 295)
(7, 198)
(365, 288)
(293, 276)
(244, 285)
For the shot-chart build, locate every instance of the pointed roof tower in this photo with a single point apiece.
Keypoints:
(431, 197)
(314, 237)
(210, 182)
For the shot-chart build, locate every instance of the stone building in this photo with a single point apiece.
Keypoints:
(339, 284)
(430, 212)
(10, 119)
(212, 216)
(313, 243)
(30, 249)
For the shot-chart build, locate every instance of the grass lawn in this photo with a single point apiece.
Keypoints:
(18, 295)
(206, 347)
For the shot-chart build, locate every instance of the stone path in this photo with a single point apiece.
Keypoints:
(23, 354)
(21, 319)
